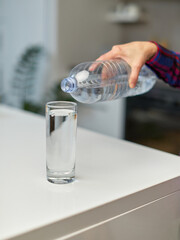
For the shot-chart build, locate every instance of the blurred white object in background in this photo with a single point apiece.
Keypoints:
(126, 13)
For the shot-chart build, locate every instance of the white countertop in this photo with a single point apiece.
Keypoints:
(107, 170)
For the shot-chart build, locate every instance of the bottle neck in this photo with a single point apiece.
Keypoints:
(69, 85)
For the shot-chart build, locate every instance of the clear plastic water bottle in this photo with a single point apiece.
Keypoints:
(99, 81)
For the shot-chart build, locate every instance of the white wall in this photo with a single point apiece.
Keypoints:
(105, 117)
(23, 26)
(1, 47)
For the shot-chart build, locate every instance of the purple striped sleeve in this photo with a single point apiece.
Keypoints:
(166, 64)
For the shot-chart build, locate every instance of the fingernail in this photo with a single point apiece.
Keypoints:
(132, 85)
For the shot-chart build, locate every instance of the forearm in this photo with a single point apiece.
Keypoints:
(166, 64)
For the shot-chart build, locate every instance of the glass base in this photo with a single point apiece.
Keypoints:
(60, 177)
(60, 180)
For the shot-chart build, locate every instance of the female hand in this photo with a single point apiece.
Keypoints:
(136, 54)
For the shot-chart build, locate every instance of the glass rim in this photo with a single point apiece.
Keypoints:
(59, 104)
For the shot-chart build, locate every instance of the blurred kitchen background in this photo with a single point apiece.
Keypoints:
(41, 40)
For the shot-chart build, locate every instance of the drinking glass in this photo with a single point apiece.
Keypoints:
(61, 126)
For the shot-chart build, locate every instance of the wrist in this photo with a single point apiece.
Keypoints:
(151, 50)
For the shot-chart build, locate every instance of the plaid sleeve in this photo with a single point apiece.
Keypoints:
(166, 64)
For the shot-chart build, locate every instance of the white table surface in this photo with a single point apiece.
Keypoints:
(107, 170)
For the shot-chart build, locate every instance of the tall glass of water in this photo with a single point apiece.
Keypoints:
(61, 125)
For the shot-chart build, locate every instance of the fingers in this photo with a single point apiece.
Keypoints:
(107, 56)
(131, 54)
(94, 66)
(134, 76)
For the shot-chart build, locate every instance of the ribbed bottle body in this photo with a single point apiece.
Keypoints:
(105, 80)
